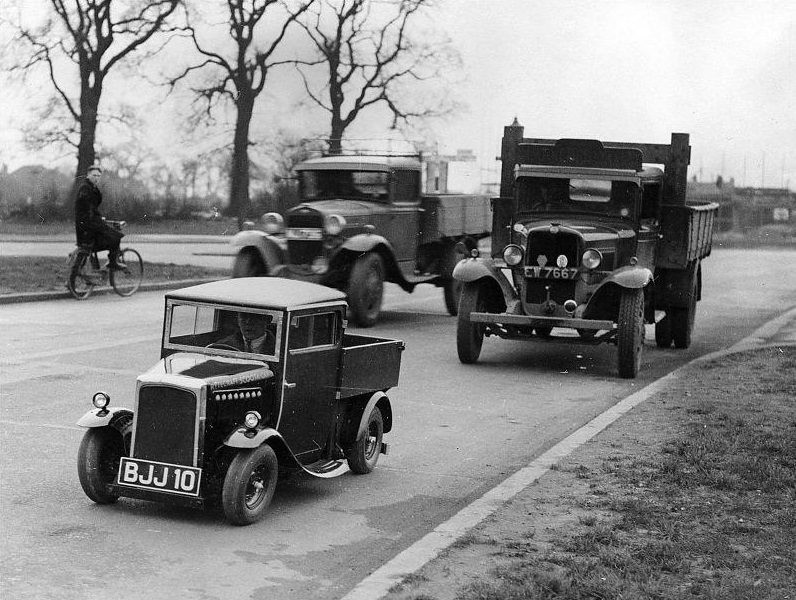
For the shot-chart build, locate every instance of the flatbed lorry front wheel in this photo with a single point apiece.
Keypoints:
(470, 336)
(366, 289)
(630, 333)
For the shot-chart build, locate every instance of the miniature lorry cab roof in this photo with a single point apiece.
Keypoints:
(359, 163)
(270, 292)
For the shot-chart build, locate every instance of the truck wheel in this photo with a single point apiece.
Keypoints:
(663, 331)
(470, 336)
(682, 318)
(248, 264)
(98, 460)
(452, 288)
(366, 288)
(630, 334)
(249, 485)
(363, 457)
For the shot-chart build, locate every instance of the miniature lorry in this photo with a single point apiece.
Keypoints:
(255, 376)
(594, 240)
(363, 221)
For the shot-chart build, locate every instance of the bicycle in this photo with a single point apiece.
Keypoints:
(85, 272)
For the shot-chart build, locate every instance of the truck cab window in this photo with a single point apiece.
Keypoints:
(309, 331)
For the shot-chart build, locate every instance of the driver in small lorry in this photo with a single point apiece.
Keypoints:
(256, 333)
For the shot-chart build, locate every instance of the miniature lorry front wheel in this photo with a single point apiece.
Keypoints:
(98, 459)
(366, 289)
(470, 336)
(363, 457)
(249, 485)
(630, 334)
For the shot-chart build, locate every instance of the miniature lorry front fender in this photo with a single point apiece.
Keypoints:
(380, 400)
(268, 247)
(101, 417)
(473, 269)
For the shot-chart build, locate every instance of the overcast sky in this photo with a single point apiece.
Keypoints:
(723, 71)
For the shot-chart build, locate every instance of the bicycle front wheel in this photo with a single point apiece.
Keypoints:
(126, 281)
(79, 283)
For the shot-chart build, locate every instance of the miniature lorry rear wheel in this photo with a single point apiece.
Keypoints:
(249, 485)
(630, 334)
(364, 455)
(248, 264)
(98, 460)
(663, 332)
(682, 318)
(366, 289)
(470, 336)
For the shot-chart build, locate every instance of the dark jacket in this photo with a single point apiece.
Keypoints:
(91, 230)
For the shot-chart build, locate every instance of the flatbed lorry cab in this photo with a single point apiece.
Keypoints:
(256, 375)
(590, 241)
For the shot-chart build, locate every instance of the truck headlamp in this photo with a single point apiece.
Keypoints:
(101, 400)
(512, 254)
(252, 419)
(591, 258)
(320, 265)
(273, 222)
(334, 224)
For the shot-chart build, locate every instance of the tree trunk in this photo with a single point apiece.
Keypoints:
(239, 176)
(86, 156)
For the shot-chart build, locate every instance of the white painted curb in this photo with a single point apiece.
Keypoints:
(378, 583)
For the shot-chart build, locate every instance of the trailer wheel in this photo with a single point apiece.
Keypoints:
(248, 263)
(363, 457)
(630, 334)
(470, 336)
(682, 318)
(249, 485)
(663, 331)
(98, 459)
(366, 289)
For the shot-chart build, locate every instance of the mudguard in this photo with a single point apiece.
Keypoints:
(368, 242)
(377, 399)
(270, 248)
(102, 417)
(365, 242)
(629, 277)
(473, 269)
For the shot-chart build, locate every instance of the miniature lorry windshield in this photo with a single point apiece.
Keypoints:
(210, 329)
(332, 184)
(553, 194)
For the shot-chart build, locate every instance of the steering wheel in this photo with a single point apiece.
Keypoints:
(221, 346)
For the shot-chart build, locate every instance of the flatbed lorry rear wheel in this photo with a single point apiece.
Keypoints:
(366, 289)
(470, 336)
(682, 318)
(630, 333)
(452, 288)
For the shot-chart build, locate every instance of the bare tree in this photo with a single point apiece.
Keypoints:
(94, 36)
(370, 56)
(243, 73)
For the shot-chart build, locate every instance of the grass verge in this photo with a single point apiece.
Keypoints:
(20, 274)
(691, 495)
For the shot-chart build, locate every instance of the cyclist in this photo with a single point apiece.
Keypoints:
(90, 226)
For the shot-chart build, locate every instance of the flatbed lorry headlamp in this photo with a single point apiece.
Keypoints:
(591, 258)
(273, 222)
(252, 419)
(334, 224)
(101, 400)
(512, 254)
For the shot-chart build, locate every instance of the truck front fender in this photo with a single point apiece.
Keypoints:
(473, 269)
(380, 400)
(118, 418)
(365, 242)
(269, 248)
(629, 277)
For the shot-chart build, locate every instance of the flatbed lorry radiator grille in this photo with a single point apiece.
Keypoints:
(165, 425)
(303, 252)
(543, 250)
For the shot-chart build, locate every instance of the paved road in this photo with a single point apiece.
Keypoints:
(459, 430)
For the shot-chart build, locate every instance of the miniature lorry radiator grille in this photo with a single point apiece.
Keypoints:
(165, 425)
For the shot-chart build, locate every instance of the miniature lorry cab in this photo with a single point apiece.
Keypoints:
(256, 375)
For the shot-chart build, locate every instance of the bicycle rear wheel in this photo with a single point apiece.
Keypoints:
(79, 282)
(126, 281)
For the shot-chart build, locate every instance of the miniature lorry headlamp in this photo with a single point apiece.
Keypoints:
(101, 400)
(334, 224)
(591, 258)
(252, 419)
(512, 254)
(273, 222)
